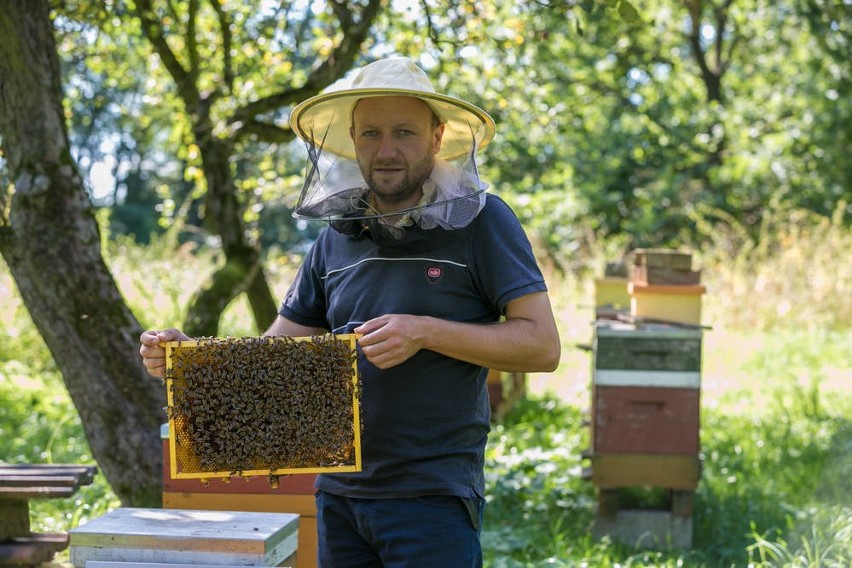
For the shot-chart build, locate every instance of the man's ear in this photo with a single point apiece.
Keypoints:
(438, 135)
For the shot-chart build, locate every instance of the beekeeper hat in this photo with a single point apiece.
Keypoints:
(323, 121)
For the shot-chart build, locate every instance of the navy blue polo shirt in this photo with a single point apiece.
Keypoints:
(425, 421)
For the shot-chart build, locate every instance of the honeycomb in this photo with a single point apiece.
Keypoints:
(263, 406)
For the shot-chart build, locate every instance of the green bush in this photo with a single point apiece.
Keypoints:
(38, 424)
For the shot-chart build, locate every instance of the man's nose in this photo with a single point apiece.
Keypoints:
(387, 147)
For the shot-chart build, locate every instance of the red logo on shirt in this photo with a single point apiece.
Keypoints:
(434, 274)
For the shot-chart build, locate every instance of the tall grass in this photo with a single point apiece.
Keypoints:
(776, 430)
(796, 272)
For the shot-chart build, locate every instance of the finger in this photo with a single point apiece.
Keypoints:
(171, 334)
(385, 361)
(376, 336)
(149, 337)
(149, 351)
(373, 351)
(152, 363)
(371, 340)
(372, 325)
(156, 366)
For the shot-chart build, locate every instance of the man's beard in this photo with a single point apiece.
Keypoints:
(407, 187)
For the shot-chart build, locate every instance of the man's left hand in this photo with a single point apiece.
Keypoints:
(391, 339)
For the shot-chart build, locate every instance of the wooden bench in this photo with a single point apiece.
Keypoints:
(18, 484)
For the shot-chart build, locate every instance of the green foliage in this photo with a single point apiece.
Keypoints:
(614, 118)
(157, 280)
(38, 424)
(617, 118)
(776, 432)
(821, 538)
(776, 428)
(609, 138)
(128, 116)
(117, 119)
(794, 434)
(38, 421)
(533, 477)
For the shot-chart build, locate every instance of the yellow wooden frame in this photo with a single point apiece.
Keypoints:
(173, 426)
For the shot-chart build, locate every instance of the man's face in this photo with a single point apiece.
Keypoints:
(395, 142)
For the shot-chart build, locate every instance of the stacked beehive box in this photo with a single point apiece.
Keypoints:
(646, 381)
(664, 287)
(152, 538)
(611, 291)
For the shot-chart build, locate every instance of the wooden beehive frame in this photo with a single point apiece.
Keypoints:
(177, 448)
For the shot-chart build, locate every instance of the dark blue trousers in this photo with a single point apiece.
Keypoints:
(430, 531)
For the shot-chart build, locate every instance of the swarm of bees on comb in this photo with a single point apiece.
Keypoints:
(241, 406)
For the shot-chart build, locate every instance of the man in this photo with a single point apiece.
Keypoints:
(441, 282)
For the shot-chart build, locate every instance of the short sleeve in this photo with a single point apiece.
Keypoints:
(505, 266)
(305, 301)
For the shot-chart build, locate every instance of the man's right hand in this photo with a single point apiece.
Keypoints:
(152, 350)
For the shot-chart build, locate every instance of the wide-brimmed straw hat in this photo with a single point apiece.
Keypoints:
(324, 120)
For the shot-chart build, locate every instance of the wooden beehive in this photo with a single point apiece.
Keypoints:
(663, 258)
(613, 471)
(611, 296)
(645, 420)
(158, 537)
(646, 405)
(663, 267)
(263, 406)
(667, 303)
(646, 381)
(654, 355)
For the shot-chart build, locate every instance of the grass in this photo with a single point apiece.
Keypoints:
(775, 488)
(776, 424)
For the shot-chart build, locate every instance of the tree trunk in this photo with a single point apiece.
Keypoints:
(243, 269)
(49, 239)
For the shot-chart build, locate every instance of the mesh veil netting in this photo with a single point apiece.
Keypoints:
(335, 191)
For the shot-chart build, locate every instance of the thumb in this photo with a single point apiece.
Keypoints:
(171, 334)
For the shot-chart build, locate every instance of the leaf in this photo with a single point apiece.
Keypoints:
(628, 11)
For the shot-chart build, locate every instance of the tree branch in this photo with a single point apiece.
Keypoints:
(343, 13)
(433, 30)
(709, 76)
(433, 33)
(332, 68)
(227, 40)
(192, 41)
(153, 30)
(721, 14)
(265, 132)
(694, 36)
